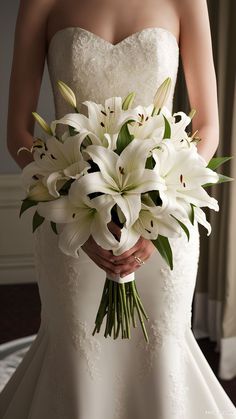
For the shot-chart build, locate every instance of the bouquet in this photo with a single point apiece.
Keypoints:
(134, 166)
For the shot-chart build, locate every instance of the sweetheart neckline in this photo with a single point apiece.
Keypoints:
(158, 28)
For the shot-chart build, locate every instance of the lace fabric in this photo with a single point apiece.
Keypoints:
(94, 66)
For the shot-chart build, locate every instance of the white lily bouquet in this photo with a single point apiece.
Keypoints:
(137, 167)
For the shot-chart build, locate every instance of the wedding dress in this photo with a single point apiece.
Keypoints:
(67, 373)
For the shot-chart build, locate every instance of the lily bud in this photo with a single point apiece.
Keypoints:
(39, 192)
(161, 95)
(128, 101)
(42, 123)
(67, 93)
(192, 113)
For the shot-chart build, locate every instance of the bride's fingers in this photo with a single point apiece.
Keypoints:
(137, 247)
(106, 265)
(90, 244)
(144, 250)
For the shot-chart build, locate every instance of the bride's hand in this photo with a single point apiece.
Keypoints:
(123, 264)
(103, 258)
(126, 262)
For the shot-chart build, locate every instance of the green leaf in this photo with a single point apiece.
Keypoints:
(37, 220)
(26, 203)
(150, 163)
(54, 227)
(222, 179)
(191, 216)
(124, 138)
(155, 196)
(183, 226)
(163, 246)
(72, 131)
(65, 188)
(167, 132)
(217, 161)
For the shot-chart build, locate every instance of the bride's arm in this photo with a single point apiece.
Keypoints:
(26, 75)
(197, 57)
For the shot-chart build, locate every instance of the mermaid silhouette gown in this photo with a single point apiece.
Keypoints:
(67, 373)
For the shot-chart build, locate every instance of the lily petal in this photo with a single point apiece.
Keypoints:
(200, 216)
(106, 160)
(73, 236)
(59, 211)
(90, 183)
(128, 239)
(130, 205)
(75, 120)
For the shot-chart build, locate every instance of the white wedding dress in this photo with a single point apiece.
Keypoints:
(67, 373)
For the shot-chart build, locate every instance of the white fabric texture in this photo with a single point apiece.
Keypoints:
(68, 373)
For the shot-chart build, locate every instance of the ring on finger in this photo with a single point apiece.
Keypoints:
(139, 260)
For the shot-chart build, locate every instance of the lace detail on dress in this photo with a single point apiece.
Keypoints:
(95, 66)
(89, 347)
(177, 291)
(179, 395)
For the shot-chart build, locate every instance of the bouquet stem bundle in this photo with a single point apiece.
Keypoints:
(120, 303)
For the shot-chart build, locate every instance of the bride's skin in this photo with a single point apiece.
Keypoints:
(39, 20)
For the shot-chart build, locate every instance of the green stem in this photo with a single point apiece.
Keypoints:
(140, 303)
(132, 306)
(109, 313)
(115, 309)
(102, 308)
(125, 310)
(118, 311)
(121, 311)
(139, 313)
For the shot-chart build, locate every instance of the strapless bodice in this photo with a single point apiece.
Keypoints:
(96, 69)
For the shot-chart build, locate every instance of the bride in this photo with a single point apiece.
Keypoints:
(102, 49)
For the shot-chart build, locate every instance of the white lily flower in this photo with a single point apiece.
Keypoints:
(101, 120)
(55, 164)
(39, 192)
(178, 135)
(184, 173)
(199, 216)
(152, 220)
(81, 217)
(144, 125)
(123, 177)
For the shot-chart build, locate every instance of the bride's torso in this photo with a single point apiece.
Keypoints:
(99, 54)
